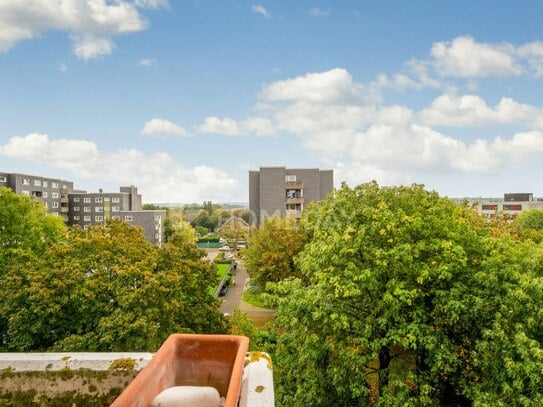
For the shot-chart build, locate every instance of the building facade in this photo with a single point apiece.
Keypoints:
(84, 209)
(281, 191)
(510, 207)
(53, 193)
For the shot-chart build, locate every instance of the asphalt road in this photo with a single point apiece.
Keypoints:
(235, 292)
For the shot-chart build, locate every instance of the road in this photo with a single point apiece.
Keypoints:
(235, 293)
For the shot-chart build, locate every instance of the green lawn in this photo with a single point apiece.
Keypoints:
(253, 298)
(221, 271)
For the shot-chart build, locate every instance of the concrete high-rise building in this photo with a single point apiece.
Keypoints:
(281, 191)
(52, 192)
(84, 209)
(92, 208)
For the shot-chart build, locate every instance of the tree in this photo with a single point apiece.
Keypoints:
(530, 224)
(234, 230)
(26, 233)
(204, 219)
(25, 228)
(109, 289)
(406, 301)
(271, 249)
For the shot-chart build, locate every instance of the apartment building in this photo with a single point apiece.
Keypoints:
(93, 208)
(281, 191)
(84, 209)
(52, 192)
(510, 207)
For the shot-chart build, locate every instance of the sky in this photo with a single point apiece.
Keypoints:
(182, 97)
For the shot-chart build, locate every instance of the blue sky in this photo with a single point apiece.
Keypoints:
(182, 98)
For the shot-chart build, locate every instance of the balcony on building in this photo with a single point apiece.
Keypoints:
(294, 185)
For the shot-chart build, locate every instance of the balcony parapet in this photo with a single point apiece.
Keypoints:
(99, 378)
(294, 185)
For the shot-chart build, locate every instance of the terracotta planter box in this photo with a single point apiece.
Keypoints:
(190, 360)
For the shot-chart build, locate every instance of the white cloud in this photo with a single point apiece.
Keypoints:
(258, 9)
(159, 177)
(391, 142)
(258, 126)
(472, 111)
(162, 127)
(533, 53)
(334, 86)
(91, 24)
(318, 12)
(152, 3)
(88, 48)
(147, 62)
(214, 125)
(464, 57)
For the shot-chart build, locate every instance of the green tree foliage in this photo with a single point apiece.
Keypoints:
(406, 300)
(271, 249)
(25, 228)
(108, 289)
(206, 220)
(201, 231)
(233, 230)
(26, 233)
(530, 224)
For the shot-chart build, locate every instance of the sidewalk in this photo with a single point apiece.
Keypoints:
(235, 293)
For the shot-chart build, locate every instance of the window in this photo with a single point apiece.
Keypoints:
(54, 195)
(99, 218)
(54, 184)
(85, 227)
(86, 209)
(77, 217)
(54, 205)
(27, 193)
(76, 208)
(294, 207)
(37, 183)
(115, 199)
(87, 218)
(157, 227)
(77, 199)
(493, 207)
(98, 209)
(290, 178)
(115, 209)
(86, 200)
(46, 205)
(106, 199)
(157, 218)
(157, 235)
(517, 207)
(26, 181)
(44, 183)
(54, 213)
(64, 186)
(3, 179)
(98, 200)
(116, 217)
(128, 218)
(44, 194)
(36, 194)
(294, 193)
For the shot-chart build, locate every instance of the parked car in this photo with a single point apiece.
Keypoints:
(224, 291)
(225, 249)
